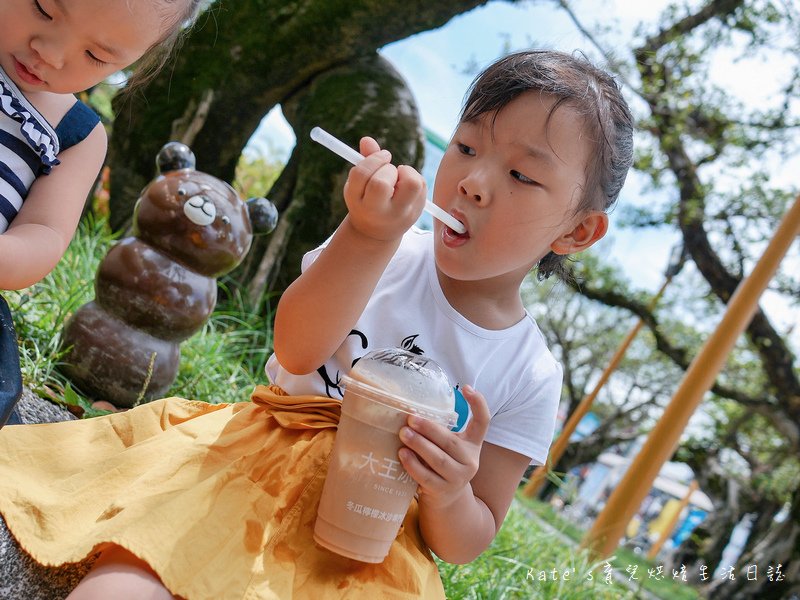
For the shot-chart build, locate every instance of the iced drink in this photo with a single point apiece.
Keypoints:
(367, 492)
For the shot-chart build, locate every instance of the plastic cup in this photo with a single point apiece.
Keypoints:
(367, 492)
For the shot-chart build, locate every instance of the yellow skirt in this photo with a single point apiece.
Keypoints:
(220, 500)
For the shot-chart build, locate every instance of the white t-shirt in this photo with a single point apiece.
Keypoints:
(512, 368)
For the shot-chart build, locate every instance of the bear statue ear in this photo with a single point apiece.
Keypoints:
(174, 156)
(263, 215)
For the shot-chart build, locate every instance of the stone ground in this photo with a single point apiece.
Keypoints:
(22, 578)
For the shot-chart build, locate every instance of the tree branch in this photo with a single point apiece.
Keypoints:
(716, 9)
(766, 403)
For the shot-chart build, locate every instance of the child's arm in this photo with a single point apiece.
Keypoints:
(318, 310)
(39, 235)
(465, 484)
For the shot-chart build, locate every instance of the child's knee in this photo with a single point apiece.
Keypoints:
(121, 575)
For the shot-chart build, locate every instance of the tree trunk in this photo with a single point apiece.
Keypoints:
(778, 550)
(366, 96)
(241, 60)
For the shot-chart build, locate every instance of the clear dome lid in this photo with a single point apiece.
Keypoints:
(406, 381)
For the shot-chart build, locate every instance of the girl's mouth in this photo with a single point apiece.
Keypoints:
(26, 75)
(452, 239)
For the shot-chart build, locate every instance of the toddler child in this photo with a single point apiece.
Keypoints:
(51, 145)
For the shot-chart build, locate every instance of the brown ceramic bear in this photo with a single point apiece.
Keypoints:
(157, 288)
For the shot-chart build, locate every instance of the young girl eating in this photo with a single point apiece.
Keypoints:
(191, 500)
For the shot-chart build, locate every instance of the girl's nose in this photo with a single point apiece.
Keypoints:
(472, 188)
(48, 51)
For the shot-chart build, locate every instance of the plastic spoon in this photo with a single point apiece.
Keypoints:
(337, 146)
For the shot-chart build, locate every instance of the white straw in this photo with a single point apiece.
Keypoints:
(337, 146)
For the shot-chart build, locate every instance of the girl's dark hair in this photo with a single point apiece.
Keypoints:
(156, 57)
(591, 92)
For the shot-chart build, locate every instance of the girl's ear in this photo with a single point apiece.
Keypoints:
(586, 232)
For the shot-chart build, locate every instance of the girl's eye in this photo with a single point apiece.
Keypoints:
(522, 178)
(95, 60)
(464, 149)
(40, 11)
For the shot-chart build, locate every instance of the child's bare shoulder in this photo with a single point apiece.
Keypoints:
(52, 107)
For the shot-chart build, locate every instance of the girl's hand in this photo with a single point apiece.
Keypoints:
(441, 461)
(383, 201)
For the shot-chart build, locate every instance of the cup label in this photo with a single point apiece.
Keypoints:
(374, 513)
(388, 468)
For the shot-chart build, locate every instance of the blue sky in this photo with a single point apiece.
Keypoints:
(436, 65)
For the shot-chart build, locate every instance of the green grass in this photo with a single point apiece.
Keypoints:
(223, 362)
(547, 513)
(41, 310)
(525, 561)
(667, 588)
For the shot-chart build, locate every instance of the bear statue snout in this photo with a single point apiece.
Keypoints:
(200, 210)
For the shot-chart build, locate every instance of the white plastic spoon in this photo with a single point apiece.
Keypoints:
(337, 146)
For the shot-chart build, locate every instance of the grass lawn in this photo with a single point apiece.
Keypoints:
(526, 561)
(625, 562)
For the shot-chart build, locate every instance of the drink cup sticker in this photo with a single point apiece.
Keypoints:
(461, 408)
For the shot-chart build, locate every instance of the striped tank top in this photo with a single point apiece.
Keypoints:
(29, 145)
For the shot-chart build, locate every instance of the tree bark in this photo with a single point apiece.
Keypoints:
(367, 95)
(240, 60)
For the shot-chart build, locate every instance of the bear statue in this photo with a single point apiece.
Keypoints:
(158, 287)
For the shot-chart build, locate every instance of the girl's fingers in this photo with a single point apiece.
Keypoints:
(371, 164)
(383, 200)
(361, 174)
(437, 458)
(479, 423)
(381, 184)
(419, 471)
(368, 146)
(453, 443)
(411, 189)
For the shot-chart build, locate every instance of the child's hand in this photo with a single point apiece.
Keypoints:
(443, 462)
(383, 200)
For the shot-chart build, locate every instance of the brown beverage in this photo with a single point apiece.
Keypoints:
(367, 492)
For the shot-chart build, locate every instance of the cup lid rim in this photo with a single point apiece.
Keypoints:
(446, 417)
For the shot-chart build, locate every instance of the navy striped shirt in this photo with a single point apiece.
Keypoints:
(29, 145)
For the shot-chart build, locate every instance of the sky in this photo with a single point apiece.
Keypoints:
(439, 65)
